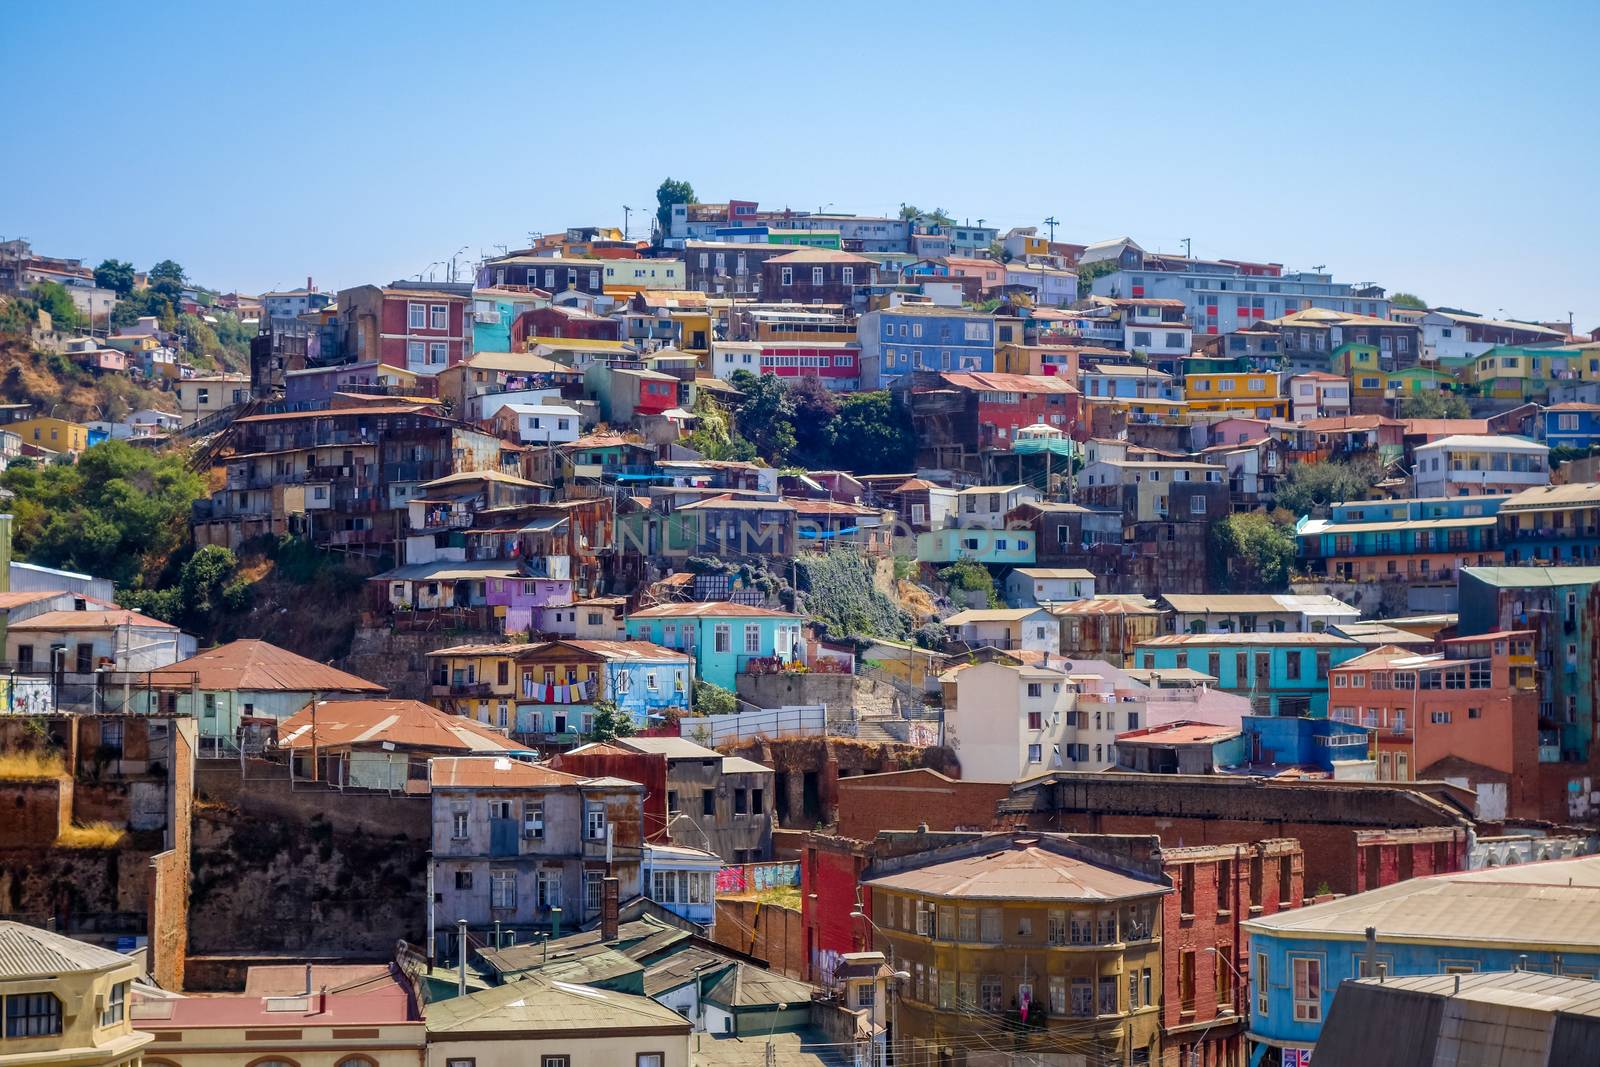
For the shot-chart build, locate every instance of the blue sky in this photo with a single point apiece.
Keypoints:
(1446, 149)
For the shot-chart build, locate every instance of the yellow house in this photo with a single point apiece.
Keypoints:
(66, 1001)
(1251, 392)
(58, 435)
(694, 332)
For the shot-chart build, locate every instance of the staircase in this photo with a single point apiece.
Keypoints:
(874, 730)
(209, 432)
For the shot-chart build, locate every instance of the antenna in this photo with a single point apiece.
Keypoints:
(1320, 267)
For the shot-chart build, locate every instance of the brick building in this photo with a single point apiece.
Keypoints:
(420, 326)
(1355, 835)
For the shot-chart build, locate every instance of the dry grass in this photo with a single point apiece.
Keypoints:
(91, 835)
(30, 766)
(778, 896)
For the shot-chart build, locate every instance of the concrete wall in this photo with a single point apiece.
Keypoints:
(789, 690)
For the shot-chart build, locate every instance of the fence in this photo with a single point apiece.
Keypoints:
(756, 877)
(713, 730)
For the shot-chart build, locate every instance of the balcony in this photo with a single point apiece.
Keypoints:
(1549, 753)
(463, 689)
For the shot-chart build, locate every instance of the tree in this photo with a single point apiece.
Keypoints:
(872, 434)
(970, 576)
(712, 699)
(609, 722)
(938, 216)
(814, 406)
(54, 298)
(1435, 404)
(1251, 553)
(765, 416)
(670, 192)
(115, 274)
(167, 271)
(1311, 487)
(202, 580)
(1407, 300)
(119, 512)
(1088, 272)
(713, 435)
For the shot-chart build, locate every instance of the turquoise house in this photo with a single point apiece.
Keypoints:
(1538, 916)
(725, 639)
(1011, 548)
(493, 312)
(1281, 674)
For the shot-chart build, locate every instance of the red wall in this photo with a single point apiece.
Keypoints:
(648, 769)
(392, 350)
(829, 880)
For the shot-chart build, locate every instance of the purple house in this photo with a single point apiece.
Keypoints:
(312, 389)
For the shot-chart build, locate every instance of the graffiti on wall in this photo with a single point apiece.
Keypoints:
(756, 877)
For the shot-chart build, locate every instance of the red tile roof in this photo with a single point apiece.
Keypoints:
(260, 665)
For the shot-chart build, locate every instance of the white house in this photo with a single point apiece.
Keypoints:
(985, 506)
(1028, 587)
(93, 637)
(1318, 394)
(1479, 465)
(541, 424)
(1030, 629)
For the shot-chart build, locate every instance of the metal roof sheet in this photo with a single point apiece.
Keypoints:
(1021, 872)
(254, 665)
(27, 952)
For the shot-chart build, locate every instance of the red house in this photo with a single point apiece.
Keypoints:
(420, 326)
(1005, 403)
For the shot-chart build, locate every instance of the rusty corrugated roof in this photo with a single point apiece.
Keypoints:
(263, 666)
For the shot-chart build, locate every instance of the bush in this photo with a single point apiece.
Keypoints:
(712, 699)
(970, 576)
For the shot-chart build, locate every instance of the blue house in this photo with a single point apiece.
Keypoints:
(725, 639)
(1014, 548)
(1571, 425)
(899, 340)
(1313, 744)
(1281, 673)
(1539, 916)
(494, 309)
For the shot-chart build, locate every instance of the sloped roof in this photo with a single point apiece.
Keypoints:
(822, 255)
(89, 620)
(717, 609)
(402, 723)
(537, 1005)
(1022, 872)
(27, 952)
(262, 666)
(496, 772)
(746, 986)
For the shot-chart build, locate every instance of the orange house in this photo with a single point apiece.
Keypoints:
(1470, 712)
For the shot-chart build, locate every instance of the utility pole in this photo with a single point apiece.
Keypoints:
(1188, 248)
(627, 214)
(1052, 223)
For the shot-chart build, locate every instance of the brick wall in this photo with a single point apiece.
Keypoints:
(903, 800)
(264, 789)
(35, 812)
(770, 933)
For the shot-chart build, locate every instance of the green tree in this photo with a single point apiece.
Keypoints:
(1311, 487)
(713, 435)
(1435, 404)
(711, 699)
(115, 274)
(1088, 272)
(970, 576)
(167, 271)
(609, 722)
(814, 406)
(1251, 553)
(119, 512)
(203, 578)
(670, 192)
(765, 415)
(872, 434)
(54, 298)
(1407, 300)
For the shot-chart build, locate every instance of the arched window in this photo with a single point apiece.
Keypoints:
(272, 1061)
(356, 1061)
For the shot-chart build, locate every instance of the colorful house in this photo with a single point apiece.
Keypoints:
(725, 639)
(1538, 916)
(57, 435)
(1413, 540)
(1361, 364)
(1554, 523)
(1519, 372)
(1252, 393)
(1000, 547)
(1571, 425)
(548, 689)
(1282, 674)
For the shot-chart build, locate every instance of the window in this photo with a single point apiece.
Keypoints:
(438, 354)
(847, 275)
(1307, 971)
(989, 926)
(708, 801)
(1058, 995)
(1262, 979)
(32, 1015)
(438, 317)
(553, 1061)
(817, 275)
(786, 276)
(458, 824)
(416, 353)
(989, 994)
(532, 819)
(752, 637)
(650, 1059)
(594, 822)
(722, 637)
(116, 1008)
(549, 890)
(463, 880)
(503, 889)
(1056, 928)
(593, 890)
(1082, 997)
(470, 1062)
(416, 316)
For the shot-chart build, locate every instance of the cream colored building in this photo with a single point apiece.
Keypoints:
(66, 1003)
(199, 397)
(536, 1021)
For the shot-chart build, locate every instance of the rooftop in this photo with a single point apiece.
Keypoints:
(72, 621)
(29, 952)
(711, 609)
(1554, 904)
(1024, 871)
(400, 723)
(534, 1005)
(259, 666)
(496, 772)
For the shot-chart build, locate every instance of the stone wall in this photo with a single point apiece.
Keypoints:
(263, 790)
(400, 660)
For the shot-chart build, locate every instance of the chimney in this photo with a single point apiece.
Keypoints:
(610, 893)
(310, 285)
(308, 979)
